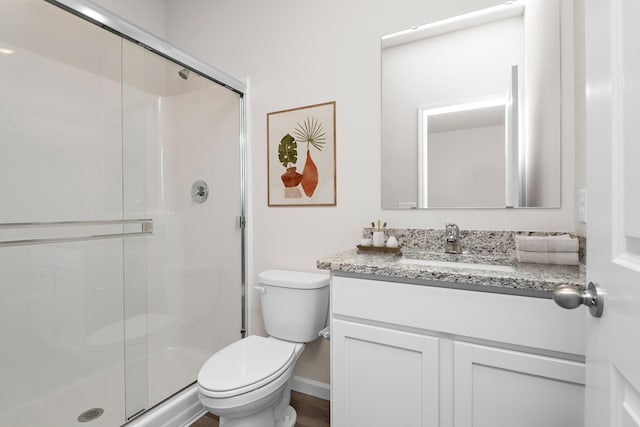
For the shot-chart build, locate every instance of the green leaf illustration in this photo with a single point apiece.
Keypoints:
(311, 132)
(288, 150)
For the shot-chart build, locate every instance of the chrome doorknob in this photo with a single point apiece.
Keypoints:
(571, 296)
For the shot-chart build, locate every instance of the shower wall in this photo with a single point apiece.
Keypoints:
(94, 127)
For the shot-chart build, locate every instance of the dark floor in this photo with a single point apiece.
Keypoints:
(312, 412)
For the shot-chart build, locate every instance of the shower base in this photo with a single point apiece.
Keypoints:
(61, 406)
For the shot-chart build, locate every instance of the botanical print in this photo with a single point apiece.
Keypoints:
(301, 156)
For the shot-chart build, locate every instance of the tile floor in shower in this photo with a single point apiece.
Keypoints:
(312, 412)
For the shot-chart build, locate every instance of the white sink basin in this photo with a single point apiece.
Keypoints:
(453, 264)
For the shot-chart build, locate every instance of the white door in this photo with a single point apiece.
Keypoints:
(613, 231)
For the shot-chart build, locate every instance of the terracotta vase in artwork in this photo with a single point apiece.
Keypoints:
(309, 176)
(291, 178)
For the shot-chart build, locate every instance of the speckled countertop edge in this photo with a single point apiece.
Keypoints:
(526, 277)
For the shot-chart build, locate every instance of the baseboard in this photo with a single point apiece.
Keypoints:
(311, 387)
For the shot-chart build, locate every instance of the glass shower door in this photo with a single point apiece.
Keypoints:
(120, 249)
(181, 133)
(60, 171)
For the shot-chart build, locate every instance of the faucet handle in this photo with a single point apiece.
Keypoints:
(453, 239)
(453, 232)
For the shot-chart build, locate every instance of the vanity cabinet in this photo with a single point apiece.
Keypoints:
(428, 356)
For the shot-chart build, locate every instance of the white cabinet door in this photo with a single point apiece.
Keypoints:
(382, 377)
(503, 388)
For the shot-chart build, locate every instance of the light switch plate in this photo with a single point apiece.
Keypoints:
(582, 205)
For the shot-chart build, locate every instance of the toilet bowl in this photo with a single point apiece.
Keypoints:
(248, 383)
(248, 376)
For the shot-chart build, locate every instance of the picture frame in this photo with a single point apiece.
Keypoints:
(301, 156)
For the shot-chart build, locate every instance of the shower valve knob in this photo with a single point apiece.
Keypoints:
(199, 191)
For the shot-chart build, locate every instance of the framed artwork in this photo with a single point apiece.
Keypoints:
(301, 156)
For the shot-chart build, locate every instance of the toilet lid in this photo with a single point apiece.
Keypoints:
(245, 362)
(294, 279)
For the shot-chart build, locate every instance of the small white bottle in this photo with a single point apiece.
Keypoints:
(378, 238)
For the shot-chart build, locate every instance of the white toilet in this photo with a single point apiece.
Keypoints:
(248, 383)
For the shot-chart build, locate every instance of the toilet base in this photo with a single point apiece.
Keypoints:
(263, 418)
(288, 418)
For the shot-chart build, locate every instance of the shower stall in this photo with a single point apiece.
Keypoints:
(121, 220)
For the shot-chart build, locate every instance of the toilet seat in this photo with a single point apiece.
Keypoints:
(244, 366)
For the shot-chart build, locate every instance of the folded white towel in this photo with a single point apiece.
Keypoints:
(559, 258)
(562, 243)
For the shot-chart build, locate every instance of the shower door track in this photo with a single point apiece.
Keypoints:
(146, 227)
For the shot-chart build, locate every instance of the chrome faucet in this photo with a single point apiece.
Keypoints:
(453, 240)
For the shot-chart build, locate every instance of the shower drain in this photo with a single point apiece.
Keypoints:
(90, 415)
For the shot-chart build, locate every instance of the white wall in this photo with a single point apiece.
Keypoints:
(150, 15)
(299, 53)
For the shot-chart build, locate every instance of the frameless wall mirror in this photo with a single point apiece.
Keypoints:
(471, 110)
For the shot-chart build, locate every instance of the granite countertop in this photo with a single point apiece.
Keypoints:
(525, 279)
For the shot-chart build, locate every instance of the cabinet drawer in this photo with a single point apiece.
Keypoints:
(516, 320)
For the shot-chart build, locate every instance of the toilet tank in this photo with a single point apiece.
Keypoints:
(295, 304)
